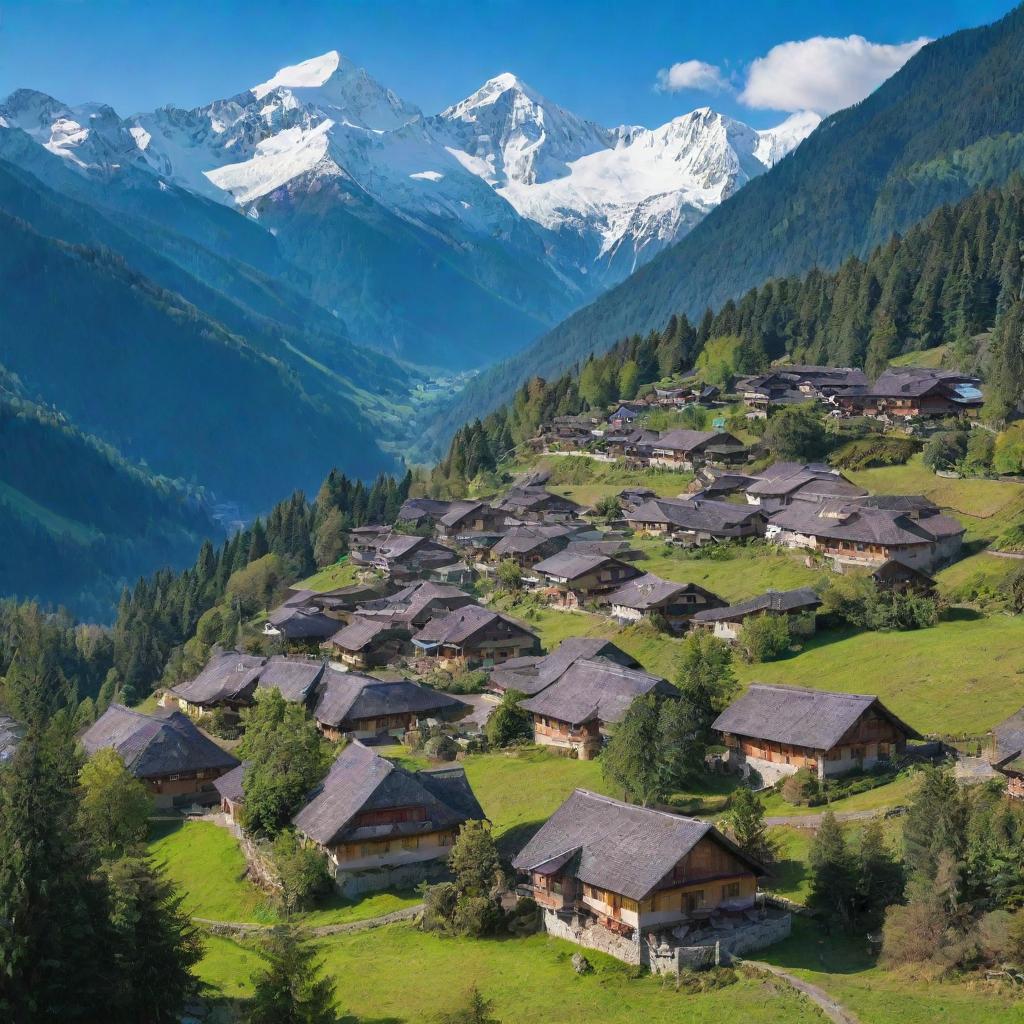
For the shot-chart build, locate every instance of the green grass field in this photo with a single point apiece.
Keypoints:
(398, 975)
(586, 480)
(208, 868)
(341, 574)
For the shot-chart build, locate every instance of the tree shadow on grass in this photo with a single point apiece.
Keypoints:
(961, 614)
(512, 840)
(787, 874)
(816, 946)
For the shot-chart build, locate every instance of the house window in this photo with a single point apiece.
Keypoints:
(731, 891)
(693, 901)
(411, 843)
(556, 887)
(444, 839)
(367, 849)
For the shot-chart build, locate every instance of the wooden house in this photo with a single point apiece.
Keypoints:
(777, 730)
(572, 578)
(232, 796)
(295, 679)
(470, 517)
(228, 681)
(905, 392)
(528, 545)
(367, 643)
(648, 596)
(534, 504)
(381, 826)
(638, 873)
(532, 674)
(897, 575)
(727, 621)
(473, 636)
(575, 711)
(165, 751)
(695, 521)
(688, 449)
(354, 706)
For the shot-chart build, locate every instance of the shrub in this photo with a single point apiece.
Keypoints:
(945, 450)
(442, 748)
(880, 450)
(764, 637)
(302, 871)
(801, 788)
(1008, 454)
(221, 723)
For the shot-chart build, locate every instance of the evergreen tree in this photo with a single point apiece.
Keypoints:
(290, 989)
(833, 871)
(747, 827)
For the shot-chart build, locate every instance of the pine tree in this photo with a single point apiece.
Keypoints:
(747, 827)
(290, 989)
(833, 871)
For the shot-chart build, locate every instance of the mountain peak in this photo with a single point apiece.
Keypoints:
(308, 74)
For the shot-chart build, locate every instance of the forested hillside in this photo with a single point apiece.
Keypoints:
(947, 280)
(78, 521)
(949, 122)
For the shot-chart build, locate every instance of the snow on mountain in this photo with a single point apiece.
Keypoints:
(783, 138)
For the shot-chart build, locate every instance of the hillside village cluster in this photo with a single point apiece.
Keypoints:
(648, 886)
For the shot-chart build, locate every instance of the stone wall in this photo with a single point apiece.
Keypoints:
(593, 936)
(403, 876)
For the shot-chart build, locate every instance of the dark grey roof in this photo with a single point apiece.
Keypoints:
(415, 604)
(531, 675)
(572, 565)
(463, 624)
(1008, 737)
(595, 689)
(415, 509)
(866, 525)
(458, 510)
(293, 677)
(227, 676)
(687, 440)
(303, 623)
(699, 514)
(229, 785)
(350, 697)
(164, 743)
(647, 591)
(523, 539)
(620, 847)
(360, 632)
(361, 780)
(815, 719)
(781, 601)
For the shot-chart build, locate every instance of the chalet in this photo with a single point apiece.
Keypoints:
(383, 827)
(474, 636)
(528, 545)
(651, 888)
(649, 595)
(294, 678)
(688, 449)
(901, 393)
(633, 497)
(351, 705)
(697, 520)
(777, 730)
(726, 623)
(165, 751)
(422, 513)
(571, 579)
(714, 483)
(530, 675)
(634, 445)
(465, 517)
(868, 532)
(574, 711)
(785, 482)
(458, 574)
(229, 789)
(299, 626)
(624, 414)
(896, 575)
(1005, 752)
(537, 505)
(793, 385)
(342, 602)
(415, 605)
(228, 681)
(367, 642)
(364, 539)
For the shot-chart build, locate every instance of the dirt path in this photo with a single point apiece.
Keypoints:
(242, 929)
(835, 1011)
(814, 820)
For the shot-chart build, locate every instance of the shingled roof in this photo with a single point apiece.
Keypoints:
(571, 565)
(595, 689)
(1008, 737)
(227, 676)
(461, 625)
(350, 697)
(361, 780)
(815, 719)
(619, 847)
(360, 632)
(531, 675)
(151, 746)
(650, 591)
(780, 601)
(229, 785)
(295, 678)
(302, 623)
(700, 514)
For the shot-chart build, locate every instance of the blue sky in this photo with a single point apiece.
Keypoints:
(599, 59)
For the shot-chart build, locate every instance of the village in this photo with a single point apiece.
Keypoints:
(539, 610)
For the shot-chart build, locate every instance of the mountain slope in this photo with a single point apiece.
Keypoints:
(160, 380)
(78, 522)
(944, 125)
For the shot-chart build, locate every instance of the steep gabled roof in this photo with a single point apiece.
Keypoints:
(361, 780)
(227, 676)
(361, 632)
(815, 719)
(164, 743)
(531, 675)
(461, 625)
(229, 785)
(350, 696)
(695, 514)
(595, 689)
(620, 847)
(572, 565)
(780, 601)
(650, 591)
(293, 677)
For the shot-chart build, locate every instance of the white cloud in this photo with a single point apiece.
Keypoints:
(692, 74)
(823, 74)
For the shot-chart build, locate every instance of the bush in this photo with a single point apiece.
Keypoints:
(945, 450)
(797, 433)
(221, 723)
(1008, 453)
(803, 788)
(302, 871)
(764, 637)
(457, 682)
(524, 917)
(441, 748)
(880, 450)
(509, 723)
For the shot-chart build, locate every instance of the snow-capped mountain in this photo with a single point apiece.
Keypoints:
(518, 203)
